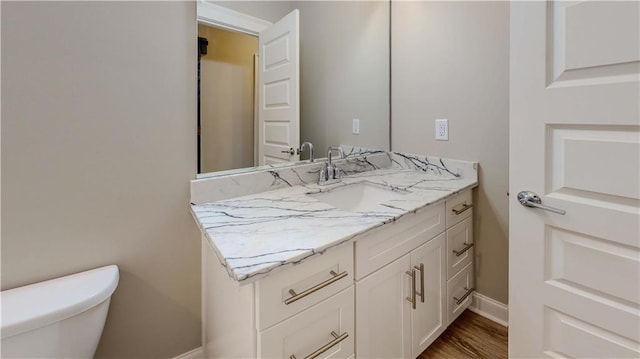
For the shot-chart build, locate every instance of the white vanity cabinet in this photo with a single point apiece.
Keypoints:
(299, 311)
(390, 293)
(419, 259)
(460, 282)
(387, 321)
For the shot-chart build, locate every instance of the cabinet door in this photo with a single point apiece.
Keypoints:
(429, 319)
(383, 319)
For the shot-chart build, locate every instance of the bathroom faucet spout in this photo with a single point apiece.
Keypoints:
(310, 146)
(330, 173)
(330, 151)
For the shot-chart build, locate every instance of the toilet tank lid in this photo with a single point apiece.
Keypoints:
(40, 304)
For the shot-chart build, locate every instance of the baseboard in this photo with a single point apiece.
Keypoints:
(490, 309)
(191, 354)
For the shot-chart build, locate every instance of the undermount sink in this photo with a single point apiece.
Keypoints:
(359, 197)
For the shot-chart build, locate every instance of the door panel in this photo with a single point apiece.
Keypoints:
(574, 135)
(279, 98)
(383, 313)
(590, 40)
(565, 334)
(429, 319)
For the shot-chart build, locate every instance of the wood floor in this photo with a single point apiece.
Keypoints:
(470, 336)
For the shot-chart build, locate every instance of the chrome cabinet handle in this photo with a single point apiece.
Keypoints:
(412, 298)
(421, 269)
(289, 151)
(466, 294)
(297, 296)
(336, 339)
(464, 208)
(467, 246)
(531, 199)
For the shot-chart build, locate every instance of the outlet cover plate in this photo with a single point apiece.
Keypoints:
(442, 129)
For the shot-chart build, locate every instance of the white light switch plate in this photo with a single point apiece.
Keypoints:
(356, 126)
(442, 129)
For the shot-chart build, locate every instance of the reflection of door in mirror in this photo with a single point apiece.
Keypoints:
(226, 99)
(279, 95)
(234, 87)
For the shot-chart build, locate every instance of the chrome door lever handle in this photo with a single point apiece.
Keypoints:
(531, 199)
(289, 151)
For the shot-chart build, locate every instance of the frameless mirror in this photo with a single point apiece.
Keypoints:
(340, 96)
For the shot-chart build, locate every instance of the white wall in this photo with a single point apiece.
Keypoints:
(451, 60)
(98, 147)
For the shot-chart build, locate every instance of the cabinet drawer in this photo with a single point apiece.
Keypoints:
(393, 240)
(459, 246)
(459, 289)
(286, 293)
(327, 325)
(459, 208)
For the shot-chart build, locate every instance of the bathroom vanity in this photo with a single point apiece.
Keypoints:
(375, 265)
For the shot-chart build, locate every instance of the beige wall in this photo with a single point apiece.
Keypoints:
(344, 71)
(271, 11)
(98, 147)
(451, 60)
(226, 100)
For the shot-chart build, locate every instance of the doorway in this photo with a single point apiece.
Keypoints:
(226, 99)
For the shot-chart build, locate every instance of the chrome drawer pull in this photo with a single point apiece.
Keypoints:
(412, 298)
(464, 208)
(467, 246)
(468, 292)
(421, 269)
(296, 296)
(336, 339)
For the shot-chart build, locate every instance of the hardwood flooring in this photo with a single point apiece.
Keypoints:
(470, 336)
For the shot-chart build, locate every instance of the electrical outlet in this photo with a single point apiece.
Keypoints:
(356, 126)
(442, 129)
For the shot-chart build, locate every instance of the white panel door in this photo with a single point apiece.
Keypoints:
(279, 96)
(383, 318)
(574, 279)
(429, 318)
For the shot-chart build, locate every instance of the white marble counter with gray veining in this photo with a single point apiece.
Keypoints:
(260, 233)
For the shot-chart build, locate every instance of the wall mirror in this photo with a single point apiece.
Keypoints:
(275, 74)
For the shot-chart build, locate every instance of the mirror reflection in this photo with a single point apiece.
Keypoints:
(275, 74)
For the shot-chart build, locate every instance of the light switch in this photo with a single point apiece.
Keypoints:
(356, 126)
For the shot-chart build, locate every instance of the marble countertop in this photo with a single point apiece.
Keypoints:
(261, 233)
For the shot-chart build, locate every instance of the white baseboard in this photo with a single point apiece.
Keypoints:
(191, 354)
(490, 309)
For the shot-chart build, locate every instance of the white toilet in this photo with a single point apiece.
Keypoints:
(59, 318)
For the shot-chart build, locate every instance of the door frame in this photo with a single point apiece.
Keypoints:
(221, 17)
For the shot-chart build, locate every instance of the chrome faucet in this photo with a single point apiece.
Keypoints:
(310, 145)
(330, 173)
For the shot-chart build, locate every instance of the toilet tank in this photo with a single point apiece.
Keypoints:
(59, 318)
